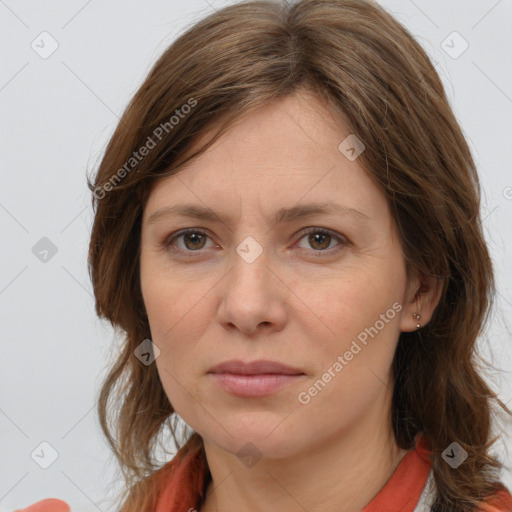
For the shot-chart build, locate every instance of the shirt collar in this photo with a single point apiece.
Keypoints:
(187, 476)
(402, 491)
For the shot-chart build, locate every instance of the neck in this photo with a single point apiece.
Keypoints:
(340, 474)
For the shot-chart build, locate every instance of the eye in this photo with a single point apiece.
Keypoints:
(194, 239)
(321, 238)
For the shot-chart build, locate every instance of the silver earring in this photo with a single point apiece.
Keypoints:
(416, 317)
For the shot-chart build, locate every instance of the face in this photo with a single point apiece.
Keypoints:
(265, 278)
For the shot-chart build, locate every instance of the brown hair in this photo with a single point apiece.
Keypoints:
(376, 78)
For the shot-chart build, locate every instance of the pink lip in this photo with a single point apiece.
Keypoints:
(254, 368)
(257, 378)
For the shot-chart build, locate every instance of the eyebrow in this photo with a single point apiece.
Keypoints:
(282, 215)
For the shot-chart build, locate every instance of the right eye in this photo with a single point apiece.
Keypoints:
(193, 238)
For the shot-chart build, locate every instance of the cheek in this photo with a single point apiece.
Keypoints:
(168, 315)
(171, 301)
(351, 301)
(357, 315)
(353, 362)
(176, 320)
(178, 317)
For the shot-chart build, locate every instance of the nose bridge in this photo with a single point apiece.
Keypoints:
(252, 295)
(250, 260)
(253, 249)
(252, 286)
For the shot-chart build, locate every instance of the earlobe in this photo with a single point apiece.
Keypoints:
(420, 308)
(412, 317)
(423, 290)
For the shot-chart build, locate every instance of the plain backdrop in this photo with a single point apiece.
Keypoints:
(68, 70)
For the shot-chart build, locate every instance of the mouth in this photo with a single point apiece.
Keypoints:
(259, 367)
(254, 379)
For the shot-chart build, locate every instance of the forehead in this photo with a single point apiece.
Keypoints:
(283, 153)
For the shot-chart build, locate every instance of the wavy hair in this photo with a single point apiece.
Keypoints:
(374, 76)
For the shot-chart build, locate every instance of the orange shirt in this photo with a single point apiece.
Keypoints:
(409, 489)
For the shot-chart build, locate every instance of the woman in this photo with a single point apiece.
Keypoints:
(287, 230)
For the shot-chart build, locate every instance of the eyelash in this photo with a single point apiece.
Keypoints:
(318, 253)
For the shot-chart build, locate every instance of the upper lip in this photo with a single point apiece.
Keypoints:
(254, 368)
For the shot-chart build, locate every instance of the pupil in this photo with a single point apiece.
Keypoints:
(195, 238)
(316, 237)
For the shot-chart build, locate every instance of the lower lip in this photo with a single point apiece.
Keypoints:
(254, 385)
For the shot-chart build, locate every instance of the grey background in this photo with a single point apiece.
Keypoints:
(57, 114)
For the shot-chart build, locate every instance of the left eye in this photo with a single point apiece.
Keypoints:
(323, 238)
(195, 239)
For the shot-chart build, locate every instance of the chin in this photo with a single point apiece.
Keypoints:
(268, 438)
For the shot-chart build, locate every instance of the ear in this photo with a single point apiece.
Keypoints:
(422, 297)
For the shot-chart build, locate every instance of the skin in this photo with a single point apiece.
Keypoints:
(336, 452)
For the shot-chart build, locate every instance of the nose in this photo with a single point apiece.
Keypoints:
(253, 295)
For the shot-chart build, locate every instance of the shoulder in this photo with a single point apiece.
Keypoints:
(47, 505)
(500, 502)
